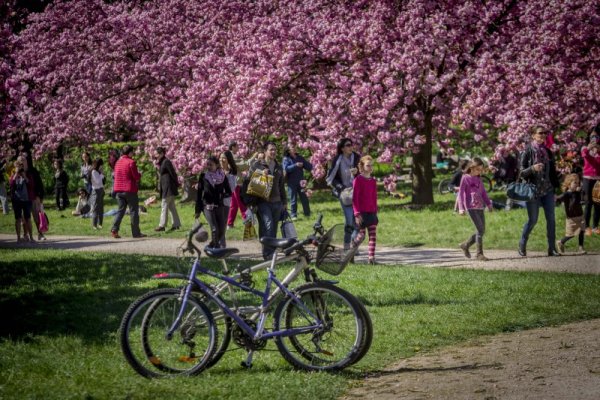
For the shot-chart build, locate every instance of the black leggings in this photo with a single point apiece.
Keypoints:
(588, 185)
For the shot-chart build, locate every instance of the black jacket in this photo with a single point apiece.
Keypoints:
(167, 179)
(572, 202)
(528, 174)
(209, 194)
(38, 184)
(62, 182)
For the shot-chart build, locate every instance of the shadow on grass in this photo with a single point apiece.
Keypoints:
(417, 299)
(59, 293)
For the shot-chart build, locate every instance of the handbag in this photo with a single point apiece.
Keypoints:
(249, 231)
(288, 230)
(520, 191)
(346, 196)
(44, 222)
(596, 193)
(260, 185)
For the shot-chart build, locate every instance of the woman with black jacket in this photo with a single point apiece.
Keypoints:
(536, 164)
(270, 211)
(213, 188)
(344, 168)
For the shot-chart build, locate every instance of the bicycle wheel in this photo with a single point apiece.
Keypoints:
(223, 324)
(445, 186)
(338, 344)
(143, 335)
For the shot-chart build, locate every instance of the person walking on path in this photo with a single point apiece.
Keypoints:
(3, 194)
(536, 165)
(344, 168)
(591, 175)
(36, 195)
(228, 166)
(213, 188)
(472, 199)
(167, 187)
(21, 188)
(126, 182)
(364, 205)
(61, 184)
(236, 199)
(574, 224)
(294, 165)
(86, 171)
(97, 196)
(270, 211)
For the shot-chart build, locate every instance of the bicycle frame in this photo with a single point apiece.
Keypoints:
(266, 297)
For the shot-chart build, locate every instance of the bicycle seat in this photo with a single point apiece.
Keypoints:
(278, 243)
(219, 253)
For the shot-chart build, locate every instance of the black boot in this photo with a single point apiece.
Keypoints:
(553, 253)
(522, 249)
(480, 256)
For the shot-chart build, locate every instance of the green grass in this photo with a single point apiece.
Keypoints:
(61, 312)
(432, 226)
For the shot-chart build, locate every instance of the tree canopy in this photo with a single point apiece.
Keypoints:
(395, 76)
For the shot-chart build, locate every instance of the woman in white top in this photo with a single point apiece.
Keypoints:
(97, 195)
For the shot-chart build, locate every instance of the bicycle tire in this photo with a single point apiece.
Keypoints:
(305, 351)
(444, 186)
(150, 353)
(223, 324)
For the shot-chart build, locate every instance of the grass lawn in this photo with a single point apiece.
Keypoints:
(432, 226)
(61, 311)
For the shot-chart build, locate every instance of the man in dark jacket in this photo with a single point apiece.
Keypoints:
(537, 167)
(167, 187)
(294, 165)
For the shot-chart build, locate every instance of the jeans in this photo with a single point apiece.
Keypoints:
(124, 200)
(588, 185)
(269, 215)
(294, 192)
(167, 205)
(533, 211)
(97, 206)
(350, 226)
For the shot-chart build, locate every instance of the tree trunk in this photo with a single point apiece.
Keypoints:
(422, 171)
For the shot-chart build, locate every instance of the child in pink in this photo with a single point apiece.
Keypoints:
(473, 199)
(364, 203)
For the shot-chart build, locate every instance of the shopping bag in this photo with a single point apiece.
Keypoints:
(260, 185)
(44, 222)
(288, 230)
(249, 231)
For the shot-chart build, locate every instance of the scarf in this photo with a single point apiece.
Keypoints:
(215, 178)
(540, 153)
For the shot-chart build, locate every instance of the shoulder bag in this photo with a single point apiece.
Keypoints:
(260, 185)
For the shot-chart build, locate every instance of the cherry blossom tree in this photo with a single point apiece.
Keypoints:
(395, 76)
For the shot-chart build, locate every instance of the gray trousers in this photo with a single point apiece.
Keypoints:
(167, 205)
(217, 219)
(97, 206)
(4, 198)
(131, 200)
(478, 218)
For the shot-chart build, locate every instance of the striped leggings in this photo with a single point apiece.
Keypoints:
(372, 239)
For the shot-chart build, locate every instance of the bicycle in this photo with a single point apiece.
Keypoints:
(303, 321)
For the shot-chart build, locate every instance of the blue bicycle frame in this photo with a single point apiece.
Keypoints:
(257, 334)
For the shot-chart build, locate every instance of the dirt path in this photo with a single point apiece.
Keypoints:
(549, 363)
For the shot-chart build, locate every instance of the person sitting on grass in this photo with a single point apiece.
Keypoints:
(83, 204)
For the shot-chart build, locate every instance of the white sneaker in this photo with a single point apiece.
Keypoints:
(40, 237)
(582, 250)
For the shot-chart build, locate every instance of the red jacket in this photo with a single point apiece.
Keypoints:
(126, 175)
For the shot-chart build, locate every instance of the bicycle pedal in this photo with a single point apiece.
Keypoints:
(246, 365)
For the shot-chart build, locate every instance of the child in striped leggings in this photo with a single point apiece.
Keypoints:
(364, 203)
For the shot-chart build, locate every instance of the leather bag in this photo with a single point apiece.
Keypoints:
(520, 191)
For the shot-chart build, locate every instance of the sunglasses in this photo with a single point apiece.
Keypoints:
(348, 145)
